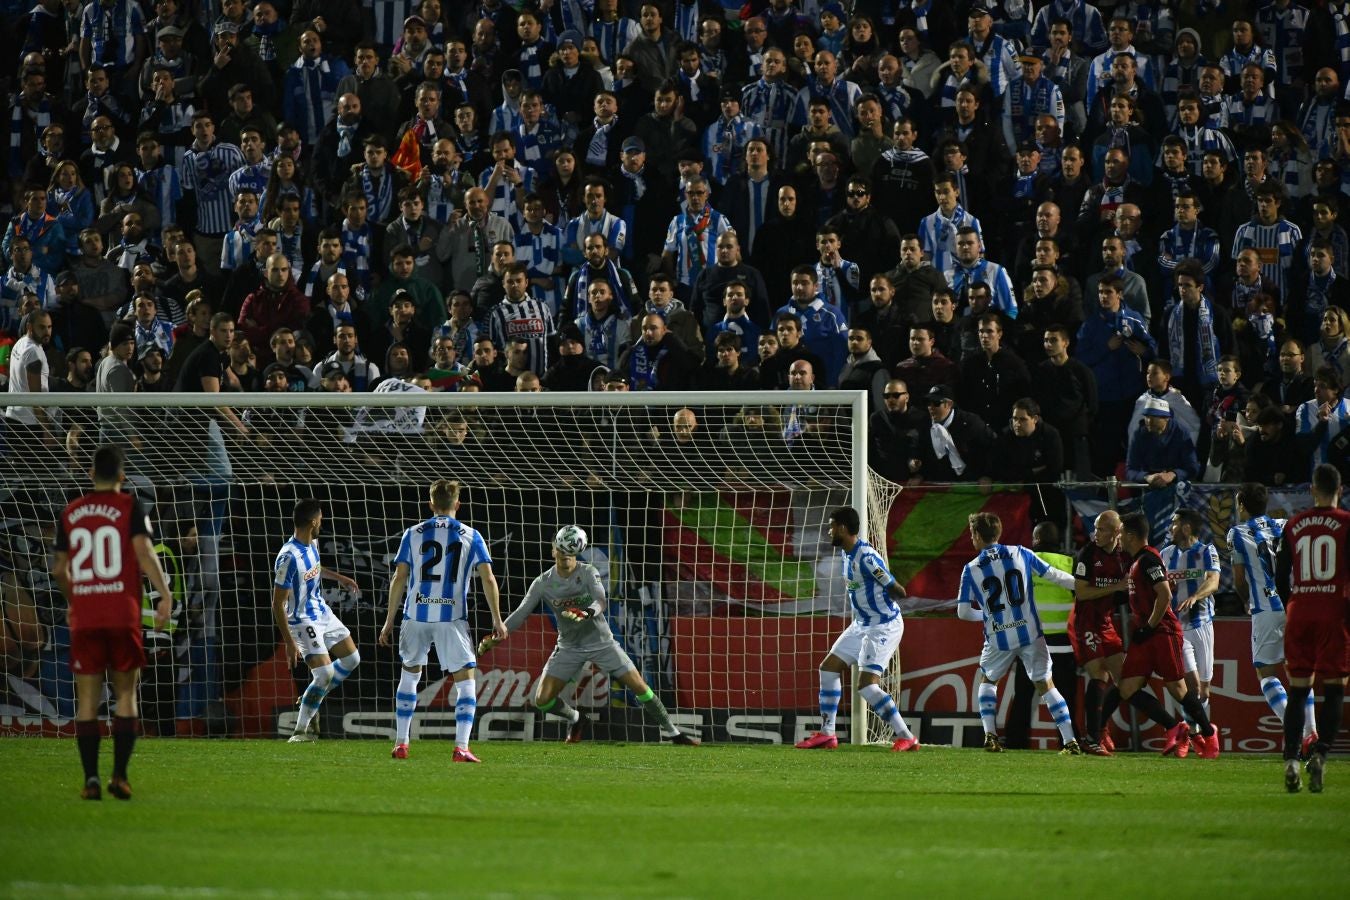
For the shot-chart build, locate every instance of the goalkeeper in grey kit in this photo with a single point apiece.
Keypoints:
(575, 594)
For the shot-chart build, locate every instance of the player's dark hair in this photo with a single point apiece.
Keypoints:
(1136, 524)
(108, 462)
(847, 516)
(305, 511)
(1326, 480)
(986, 525)
(1192, 520)
(1253, 496)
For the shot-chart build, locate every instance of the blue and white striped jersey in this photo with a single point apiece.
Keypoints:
(441, 555)
(1307, 418)
(112, 32)
(252, 178)
(1275, 246)
(389, 16)
(998, 582)
(206, 174)
(1252, 545)
(937, 236)
(867, 578)
(297, 570)
(1186, 570)
(613, 228)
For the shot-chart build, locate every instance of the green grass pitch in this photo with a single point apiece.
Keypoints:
(266, 819)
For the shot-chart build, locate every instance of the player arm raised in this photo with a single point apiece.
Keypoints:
(397, 584)
(595, 593)
(279, 595)
(149, 561)
(1058, 577)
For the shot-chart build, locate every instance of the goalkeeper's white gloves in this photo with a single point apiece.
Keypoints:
(577, 613)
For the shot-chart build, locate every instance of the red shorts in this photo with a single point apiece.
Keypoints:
(1092, 631)
(1160, 653)
(94, 651)
(1315, 645)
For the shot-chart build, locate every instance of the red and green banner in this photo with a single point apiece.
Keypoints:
(928, 538)
(769, 548)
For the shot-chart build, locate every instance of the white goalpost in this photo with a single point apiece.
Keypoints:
(710, 536)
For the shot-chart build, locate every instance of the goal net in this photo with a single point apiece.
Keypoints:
(707, 514)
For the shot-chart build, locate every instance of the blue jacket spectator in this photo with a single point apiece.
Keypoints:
(1107, 344)
(823, 330)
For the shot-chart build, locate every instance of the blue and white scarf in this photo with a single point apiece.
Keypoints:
(622, 303)
(356, 252)
(381, 198)
(597, 151)
(267, 45)
(40, 117)
(1208, 341)
(644, 366)
(531, 66)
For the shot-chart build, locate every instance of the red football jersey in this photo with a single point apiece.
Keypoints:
(1099, 568)
(1146, 571)
(105, 578)
(1318, 543)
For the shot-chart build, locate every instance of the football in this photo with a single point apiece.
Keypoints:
(571, 540)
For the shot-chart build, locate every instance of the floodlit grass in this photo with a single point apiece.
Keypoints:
(266, 819)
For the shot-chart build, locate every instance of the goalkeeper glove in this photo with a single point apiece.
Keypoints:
(578, 613)
(486, 644)
(1142, 633)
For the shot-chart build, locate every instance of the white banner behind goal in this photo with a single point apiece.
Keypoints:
(707, 515)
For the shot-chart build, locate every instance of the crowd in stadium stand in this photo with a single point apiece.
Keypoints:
(1044, 236)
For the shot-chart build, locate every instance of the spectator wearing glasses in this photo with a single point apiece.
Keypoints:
(956, 445)
(867, 234)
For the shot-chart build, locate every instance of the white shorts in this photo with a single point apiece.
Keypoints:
(1197, 650)
(870, 646)
(316, 636)
(1268, 638)
(1035, 659)
(454, 649)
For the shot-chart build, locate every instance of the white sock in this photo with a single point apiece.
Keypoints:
(886, 710)
(830, 692)
(1276, 698)
(405, 702)
(466, 704)
(1059, 711)
(321, 679)
(988, 693)
(1310, 716)
(344, 667)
